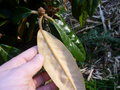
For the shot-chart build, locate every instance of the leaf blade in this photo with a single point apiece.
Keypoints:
(58, 59)
(79, 7)
(69, 41)
(20, 13)
(7, 52)
(3, 23)
(71, 34)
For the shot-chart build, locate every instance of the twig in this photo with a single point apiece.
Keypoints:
(40, 22)
(91, 21)
(109, 25)
(83, 70)
(89, 77)
(97, 17)
(102, 18)
(86, 28)
(34, 12)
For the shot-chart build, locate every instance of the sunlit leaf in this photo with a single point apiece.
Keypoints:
(71, 34)
(70, 40)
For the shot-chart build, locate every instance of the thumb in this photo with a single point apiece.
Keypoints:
(33, 66)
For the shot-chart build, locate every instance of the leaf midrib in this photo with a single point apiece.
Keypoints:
(56, 57)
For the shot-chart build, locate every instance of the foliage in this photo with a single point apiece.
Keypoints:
(70, 40)
(17, 21)
(100, 85)
(25, 22)
(91, 85)
(104, 41)
(19, 26)
(20, 13)
(7, 52)
(99, 44)
(82, 8)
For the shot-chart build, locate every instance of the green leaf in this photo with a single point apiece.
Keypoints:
(83, 8)
(7, 52)
(21, 27)
(91, 85)
(78, 6)
(3, 23)
(5, 14)
(54, 31)
(31, 28)
(72, 35)
(2, 16)
(89, 4)
(20, 13)
(92, 5)
(82, 18)
(17, 1)
(70, 40)
(61, 10)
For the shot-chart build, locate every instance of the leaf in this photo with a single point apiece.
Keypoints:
(91, 85)
(21, 27)
(82, 18)
(92, 5)
(83, 8)
(78, 6)
(71, 34)
(20, 13)
(17, 1)
(59, 63)
(31, 29)
(3, 22)
(5, 14)
(7, 52)
(53, 31)
(61, 10)
(70, 40)
(2, 16)
(89, 4)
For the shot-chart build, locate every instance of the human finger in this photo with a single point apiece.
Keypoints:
(50, 86)
(41, 79)
(20, 59)
(32, 67)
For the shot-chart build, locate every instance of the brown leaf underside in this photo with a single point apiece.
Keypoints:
(59, 63)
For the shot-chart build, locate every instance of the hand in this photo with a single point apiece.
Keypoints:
(20, 73)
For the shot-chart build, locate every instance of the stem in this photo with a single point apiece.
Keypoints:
(34, 12)
(102, 18)
(48, 17)
(41, 18)
(40, 23)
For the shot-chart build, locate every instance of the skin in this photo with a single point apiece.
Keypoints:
(19, 73)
